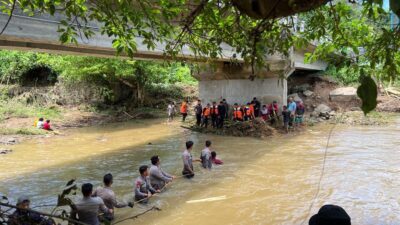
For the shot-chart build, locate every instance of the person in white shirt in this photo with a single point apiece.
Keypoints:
(171, 111)
(40, 123)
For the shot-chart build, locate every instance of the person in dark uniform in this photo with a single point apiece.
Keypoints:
(221, 114)
(257, 107)
(198, 110)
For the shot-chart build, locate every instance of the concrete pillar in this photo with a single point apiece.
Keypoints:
(242, 91)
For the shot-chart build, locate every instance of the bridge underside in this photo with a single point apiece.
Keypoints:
(224, 80)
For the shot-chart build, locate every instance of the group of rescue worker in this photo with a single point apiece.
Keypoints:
(218, 113)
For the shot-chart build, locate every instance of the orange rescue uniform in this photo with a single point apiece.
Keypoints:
(237, 113)
(184, 107)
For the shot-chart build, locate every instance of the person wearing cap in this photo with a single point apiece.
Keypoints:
(87, 209)
(22, 215)
(108, 196)
(330, 215)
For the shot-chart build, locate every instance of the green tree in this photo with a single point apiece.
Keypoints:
(254, 28)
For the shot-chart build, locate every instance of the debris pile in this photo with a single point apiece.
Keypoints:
(257, 128)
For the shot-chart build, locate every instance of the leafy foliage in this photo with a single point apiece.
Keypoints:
(349, 33)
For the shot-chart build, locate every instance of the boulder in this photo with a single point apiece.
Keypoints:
(308, 93)
(322, 109)
(295, 97)
(343, 94)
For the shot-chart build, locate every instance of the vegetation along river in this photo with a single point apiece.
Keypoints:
(271, 181)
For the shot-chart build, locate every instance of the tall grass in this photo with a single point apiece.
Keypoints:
(14, 108)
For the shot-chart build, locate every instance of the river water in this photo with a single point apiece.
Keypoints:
(271, 181)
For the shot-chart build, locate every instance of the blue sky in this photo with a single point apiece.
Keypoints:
(386, 4)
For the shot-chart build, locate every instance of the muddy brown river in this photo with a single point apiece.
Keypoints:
(271, 181)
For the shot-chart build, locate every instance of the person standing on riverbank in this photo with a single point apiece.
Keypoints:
(300, 109)
(171, 111)
(143, 189)
(184, 110)
(214, 115)
(292, 109)
(273, 112)
(108, 196)
(221, 114)
(264, 112)
(225, 103)
(198, 110)
(206, 115)
(188, 170)
(158, 178)
(87, 209)
(257, 105)
(286, 118)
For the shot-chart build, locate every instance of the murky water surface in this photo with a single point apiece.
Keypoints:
(264, 181)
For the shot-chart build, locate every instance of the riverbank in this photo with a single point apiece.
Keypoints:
(16, 130)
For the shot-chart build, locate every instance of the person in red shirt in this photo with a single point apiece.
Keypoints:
(214, 159)
(46, 125)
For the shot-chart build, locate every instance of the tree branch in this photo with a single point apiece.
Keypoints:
(9, 18)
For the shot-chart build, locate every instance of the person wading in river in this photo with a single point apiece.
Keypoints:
(21, 216)
(87, 209)
(171, 111)
(206, 156)
(143, 188)
(158, 178)
(108, 196)
(187, 159)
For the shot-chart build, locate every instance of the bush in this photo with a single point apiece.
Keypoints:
(345, 75)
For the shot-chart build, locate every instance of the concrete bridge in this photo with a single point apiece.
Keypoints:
(227, 78)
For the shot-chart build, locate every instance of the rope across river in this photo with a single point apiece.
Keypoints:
(81, 223)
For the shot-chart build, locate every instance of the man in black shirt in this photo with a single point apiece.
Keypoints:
(198, 109)
(221, 114)
(257, 107)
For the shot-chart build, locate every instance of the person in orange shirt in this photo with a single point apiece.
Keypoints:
(184, 108)
(206, 115)
(248, 112)
(214, 115)
(237, 113)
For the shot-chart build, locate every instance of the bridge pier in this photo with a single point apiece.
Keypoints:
(231, 82)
